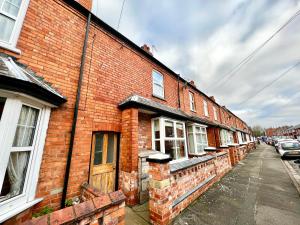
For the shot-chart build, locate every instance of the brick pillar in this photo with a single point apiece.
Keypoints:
(129, 156)
(160, 205)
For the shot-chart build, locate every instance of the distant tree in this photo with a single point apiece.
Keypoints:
(258, 131)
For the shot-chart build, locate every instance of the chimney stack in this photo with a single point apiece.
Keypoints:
(212, 98)
(192, 83)
(147, 49)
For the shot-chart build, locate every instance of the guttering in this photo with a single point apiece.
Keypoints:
(74, 123)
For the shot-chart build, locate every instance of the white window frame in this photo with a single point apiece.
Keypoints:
(215, 113)
(163, 137)
(8, 126)
(162, 95)
(240, 139)
(205, 108)
(192, 101)
(12, 43)
(195, 143)
(226, 138)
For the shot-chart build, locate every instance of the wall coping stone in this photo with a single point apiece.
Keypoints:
(174, 167)
(221, 153)
(159, 158)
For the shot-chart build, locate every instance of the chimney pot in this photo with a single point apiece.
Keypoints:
(147, 49)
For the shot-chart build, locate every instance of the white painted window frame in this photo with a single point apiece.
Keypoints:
(12, 43)
(194, 126)
(163, 137)
(205, 108)
(215, 113)
(225, 137)
(192, 101)
(8, 126)
(162, 95)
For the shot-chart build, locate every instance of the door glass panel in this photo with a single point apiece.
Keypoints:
(2, 103)
(26, 127)
(98, 148)
(110, 148)
(15, 175)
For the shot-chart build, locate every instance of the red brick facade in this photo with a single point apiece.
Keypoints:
(51, 43)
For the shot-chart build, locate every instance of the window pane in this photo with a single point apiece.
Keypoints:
(169, 129)
(179, 130)
(11, 7)
(180, 149)
(156, 129)
(26, 127)
(2, 103)
(158, 90)
(110, 148)
(7, 26)
(191, 143)
(198, 138)
(15, 175)
(197, 129)
(157, 78)
(157, 145)
(190, 129)
(98, 149)
(170, 148)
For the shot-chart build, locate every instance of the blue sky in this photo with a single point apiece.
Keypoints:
(203, 40)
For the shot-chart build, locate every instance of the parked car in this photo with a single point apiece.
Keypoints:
(279, 141)
(289, 148)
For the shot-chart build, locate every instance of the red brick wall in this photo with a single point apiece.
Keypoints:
(145, 131)
(86, 3)
(51, 42)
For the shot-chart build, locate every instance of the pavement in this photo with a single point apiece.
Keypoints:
(258, 191)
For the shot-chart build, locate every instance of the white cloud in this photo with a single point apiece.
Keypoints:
(203, 40)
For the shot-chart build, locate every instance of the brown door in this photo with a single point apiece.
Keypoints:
(103, 161)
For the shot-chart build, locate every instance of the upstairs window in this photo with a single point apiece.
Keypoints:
(205, 108)
(215, 113)
(192, 101)
(197, 137)
(168, 136)
(158, 84)
(12, 13)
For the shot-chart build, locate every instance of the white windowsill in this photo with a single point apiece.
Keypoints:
(233, 144)
(223, 146)
(10, 48)
(19, 209)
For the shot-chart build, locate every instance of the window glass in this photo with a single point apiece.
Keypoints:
(2, 103)
(9, 10)
(205, 108)
(192, 101)
(158, 84)
(98, 148)
(15, 175)
(180, 149)
(191, 143)
(170, 148)
(26, 127)
(179, 130)
(157, 145)
(156, 129)
(215, 113)
(110, 148)
(198, 139)
(169, 129)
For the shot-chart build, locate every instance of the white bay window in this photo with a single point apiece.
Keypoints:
(23, 125)
(197, 137)
(226, 137)
(168, 136)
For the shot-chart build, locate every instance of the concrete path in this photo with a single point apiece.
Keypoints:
(257, 191)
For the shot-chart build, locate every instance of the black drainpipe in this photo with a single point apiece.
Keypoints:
(67, 173)
(178, 91)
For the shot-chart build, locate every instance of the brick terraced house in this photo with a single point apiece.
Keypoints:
(80, 103)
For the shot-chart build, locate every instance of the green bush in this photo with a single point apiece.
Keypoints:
(68, 202)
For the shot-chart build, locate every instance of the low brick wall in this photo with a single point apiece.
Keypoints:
(105, 209)
(174, 186)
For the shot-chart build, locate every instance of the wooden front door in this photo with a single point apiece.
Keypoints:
(103, 161)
